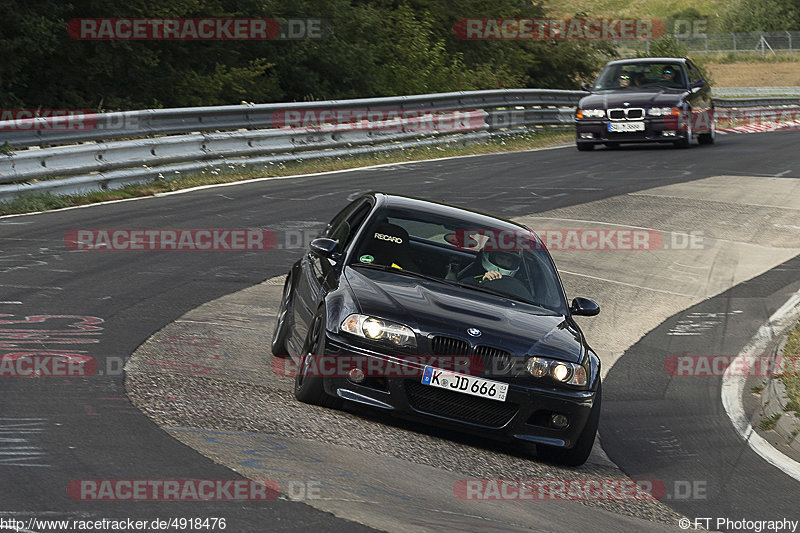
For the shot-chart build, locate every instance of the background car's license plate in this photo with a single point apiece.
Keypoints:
(626, 126)
(483, 388)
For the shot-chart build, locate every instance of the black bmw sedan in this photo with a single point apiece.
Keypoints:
(446, 316)
(654, 99)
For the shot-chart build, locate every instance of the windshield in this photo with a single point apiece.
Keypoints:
(502, 260)
(641, 75)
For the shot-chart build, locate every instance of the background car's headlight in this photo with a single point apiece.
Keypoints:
(377, 329)
(663, 111)
(561, 371)
(591, 113)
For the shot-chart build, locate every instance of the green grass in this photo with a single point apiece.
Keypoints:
(791, 370)
(769, 422)
(633, 8)
(30, 202)
(747, 57)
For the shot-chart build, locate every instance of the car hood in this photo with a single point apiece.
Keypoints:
(436, 308)
(643, 98)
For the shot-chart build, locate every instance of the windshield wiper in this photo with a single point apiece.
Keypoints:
(385, 268)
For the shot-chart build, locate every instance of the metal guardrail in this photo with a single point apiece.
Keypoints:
(140, 146)
(740, 92)
(132, 124)
(757, 102)
(185, 140)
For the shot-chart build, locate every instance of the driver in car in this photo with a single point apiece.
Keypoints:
(492, 265)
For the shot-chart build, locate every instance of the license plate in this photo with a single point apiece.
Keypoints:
(483, 388)
(623, 127)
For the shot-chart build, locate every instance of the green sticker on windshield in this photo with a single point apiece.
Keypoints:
(366, 259)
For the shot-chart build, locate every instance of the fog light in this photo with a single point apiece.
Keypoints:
(668, 133)
(587, 135)
(559, 421)
(356, 375)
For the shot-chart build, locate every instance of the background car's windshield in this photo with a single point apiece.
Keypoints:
(641, 75)
(459, 250)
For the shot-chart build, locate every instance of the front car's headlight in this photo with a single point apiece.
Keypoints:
(663, 111)
(378, 329)
(560, 371)
(590, 113)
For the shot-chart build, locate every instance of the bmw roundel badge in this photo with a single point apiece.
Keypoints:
(475, 332)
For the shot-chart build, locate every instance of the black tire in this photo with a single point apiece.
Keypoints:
(311, 389)
(281, 334)
(708, 138)
(578, 454)
(585, 147)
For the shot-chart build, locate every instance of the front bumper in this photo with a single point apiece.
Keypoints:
(655, 130)
(524, 416)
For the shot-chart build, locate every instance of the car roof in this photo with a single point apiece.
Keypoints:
(640, 60)
(396, 201)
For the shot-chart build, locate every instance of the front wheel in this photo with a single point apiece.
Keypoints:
(585, 147)
(686, 141)
(308, 384)
(281, 334)
(708, 138)
(579, 453)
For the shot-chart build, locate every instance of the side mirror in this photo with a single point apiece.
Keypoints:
(699, 83)
(584, 307)
(324, 247)
(586, 87)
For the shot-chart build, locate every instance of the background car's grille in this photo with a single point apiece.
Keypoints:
(630, 113)
(459, 406)
(449, 346)
(496, 362)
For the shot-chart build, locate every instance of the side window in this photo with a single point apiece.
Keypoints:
(343, 226)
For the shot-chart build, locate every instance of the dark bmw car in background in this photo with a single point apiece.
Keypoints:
(397, 281)
(654, 99)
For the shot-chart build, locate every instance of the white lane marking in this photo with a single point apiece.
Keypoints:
(734, 203)
(660, 231)
(11, 303)
(733, 387)
(276, 178)
(629, 284)
(29, 287)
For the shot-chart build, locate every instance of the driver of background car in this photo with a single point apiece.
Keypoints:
(672, 75)
(491, 265)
